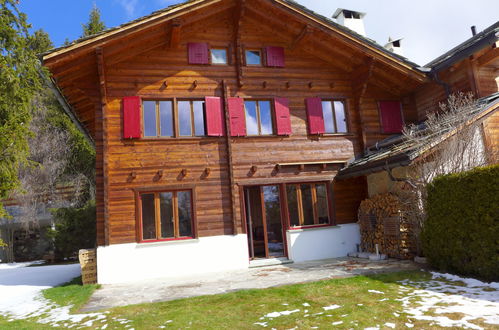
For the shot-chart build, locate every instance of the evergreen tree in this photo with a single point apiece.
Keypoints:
(95, 24)
(40, 42)
(19, 82)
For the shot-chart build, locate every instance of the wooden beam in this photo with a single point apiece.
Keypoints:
(175, 28)
(230, 159)
(105, 143)
(362, 82)
(238, 18)
(305, 33)
(488, 57)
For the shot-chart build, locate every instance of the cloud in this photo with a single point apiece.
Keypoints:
(130, 6)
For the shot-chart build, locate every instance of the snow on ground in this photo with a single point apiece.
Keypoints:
(21, 264)
(21, 295)
(450, 294)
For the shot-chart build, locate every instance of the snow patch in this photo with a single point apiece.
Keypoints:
(284, 313)
(328, 308)
(376, 291)
(432, 299)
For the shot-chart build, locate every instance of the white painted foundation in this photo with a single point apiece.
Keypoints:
(323, 243)
(122, 263)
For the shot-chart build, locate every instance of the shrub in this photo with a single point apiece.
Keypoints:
(75, 229)
(461, 233)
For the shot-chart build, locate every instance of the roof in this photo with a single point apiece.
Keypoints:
(166, 11)
(396, 151)
(487, 37)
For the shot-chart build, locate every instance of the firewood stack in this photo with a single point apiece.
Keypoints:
(382, 222)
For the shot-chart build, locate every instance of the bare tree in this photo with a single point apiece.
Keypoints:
(450, 141)
(43, 176)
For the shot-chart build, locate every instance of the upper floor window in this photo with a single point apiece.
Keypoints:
(335, 120)
(254, 57)
(158, 118)
(259, 119)
(219, 56)
(191, 118)
(326, 116)
(166, 215)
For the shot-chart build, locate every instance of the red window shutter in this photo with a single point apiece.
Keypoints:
(237, 116)
(315, 116)
(275, 56)
(198, 53)
(132, 126)
(283, 118)
(391, 116)
(214, 117)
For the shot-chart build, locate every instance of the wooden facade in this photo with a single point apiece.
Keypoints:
(150, 58)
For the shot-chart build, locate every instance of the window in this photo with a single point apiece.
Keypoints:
(308, 204)
(158, 118)
(219, 56)
(166, 215)
(334, 117)
(191, 118)
(253, 57)
(258, 117)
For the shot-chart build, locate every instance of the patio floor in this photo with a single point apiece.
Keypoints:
(254, 278)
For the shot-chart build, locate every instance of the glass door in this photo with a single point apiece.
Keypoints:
(264, 222)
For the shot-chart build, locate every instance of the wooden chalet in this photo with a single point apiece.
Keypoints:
(220, 127)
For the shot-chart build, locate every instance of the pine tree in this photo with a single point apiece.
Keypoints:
(19, 82)
(95, 24)
(40, 42)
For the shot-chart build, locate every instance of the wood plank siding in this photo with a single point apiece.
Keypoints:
(145, 64)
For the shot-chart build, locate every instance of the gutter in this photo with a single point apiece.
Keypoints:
(67, 108)
(375, 167)
(434, 76)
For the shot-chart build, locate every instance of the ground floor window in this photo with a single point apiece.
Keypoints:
(308, 204)
(166, 215)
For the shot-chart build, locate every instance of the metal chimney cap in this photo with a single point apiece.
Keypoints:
(341, 10)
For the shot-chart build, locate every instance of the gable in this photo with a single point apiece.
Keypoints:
(271, 22)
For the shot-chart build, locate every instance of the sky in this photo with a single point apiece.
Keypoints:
(429, 27)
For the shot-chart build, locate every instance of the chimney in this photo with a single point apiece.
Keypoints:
(473, 30)
(395, 46)
(353, 20)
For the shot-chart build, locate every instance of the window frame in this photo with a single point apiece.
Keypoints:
(157, 213)
(299, 200)
(347, 119)
(158, 119)
(175, 117)
(260, 51)
(193, 126)
(226, 56)
(258, 116)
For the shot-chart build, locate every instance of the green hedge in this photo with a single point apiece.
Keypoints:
(461, 233)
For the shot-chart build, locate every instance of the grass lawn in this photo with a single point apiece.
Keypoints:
(357, 302)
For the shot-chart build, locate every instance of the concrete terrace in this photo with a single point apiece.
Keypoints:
(157, 290)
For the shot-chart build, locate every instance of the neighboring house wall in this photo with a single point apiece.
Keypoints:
(491, 133)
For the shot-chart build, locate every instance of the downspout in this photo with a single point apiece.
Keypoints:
(67, 108)
(436, 78)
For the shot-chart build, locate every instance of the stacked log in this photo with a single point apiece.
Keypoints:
(88, 263)
(382, 223)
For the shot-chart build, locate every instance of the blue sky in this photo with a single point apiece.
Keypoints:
(429, 27)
